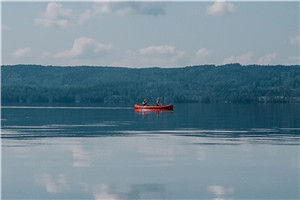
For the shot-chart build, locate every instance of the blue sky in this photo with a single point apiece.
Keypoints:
(146, 34)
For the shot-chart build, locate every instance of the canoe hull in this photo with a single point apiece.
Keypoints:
(166, 107)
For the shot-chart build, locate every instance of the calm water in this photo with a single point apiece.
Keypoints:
(195, 152)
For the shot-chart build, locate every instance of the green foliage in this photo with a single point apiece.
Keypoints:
(206, 84)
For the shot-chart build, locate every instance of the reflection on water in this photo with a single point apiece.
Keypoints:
(53, 184)
(69, 107)
(148, 167)
(283, 136)
(144, 112)
(138, 191)
(220, 191)
(121, 154)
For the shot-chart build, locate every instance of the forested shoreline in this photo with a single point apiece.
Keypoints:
(231, 83)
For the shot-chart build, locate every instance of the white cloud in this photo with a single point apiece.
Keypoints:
(267, 59)
(242, 59)
(295, 40)
(161, 56)
(53, 184)
(201, 56)
(84, 47)
(102, 8)
(5, 27)
(220, 8)
(158, 50)
(84, 16)
(126, 8)
(55, 15)
(203, 52)
(21, 52)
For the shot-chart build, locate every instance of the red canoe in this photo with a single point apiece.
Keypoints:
(167, 107)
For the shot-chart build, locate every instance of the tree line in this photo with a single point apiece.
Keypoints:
(232, 83)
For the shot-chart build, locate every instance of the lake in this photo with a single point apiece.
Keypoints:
(198, 151)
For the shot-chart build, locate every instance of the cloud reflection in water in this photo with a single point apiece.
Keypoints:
(220, 192)
(52, 183)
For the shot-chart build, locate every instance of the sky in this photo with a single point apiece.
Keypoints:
(150, 34)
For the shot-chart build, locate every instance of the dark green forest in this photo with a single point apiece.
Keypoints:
(232, 83)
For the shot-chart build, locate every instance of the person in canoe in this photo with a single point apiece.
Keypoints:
(144, 102)
(157, 102)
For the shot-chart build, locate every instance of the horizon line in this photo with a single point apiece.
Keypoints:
(149, 67)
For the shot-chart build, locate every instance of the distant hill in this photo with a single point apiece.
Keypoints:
(206, 83)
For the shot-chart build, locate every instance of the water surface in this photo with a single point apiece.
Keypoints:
(198, 151)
